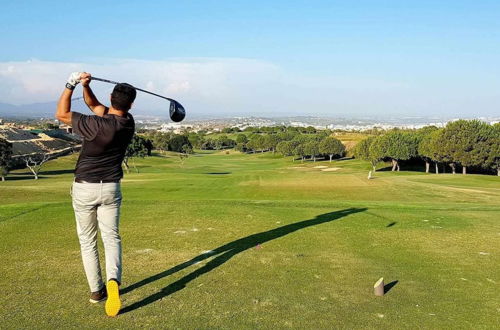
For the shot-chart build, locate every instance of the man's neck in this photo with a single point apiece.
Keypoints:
(113, 111)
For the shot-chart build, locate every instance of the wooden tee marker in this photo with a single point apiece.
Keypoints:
(378, 288)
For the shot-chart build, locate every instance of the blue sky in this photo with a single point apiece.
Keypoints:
(259, 57)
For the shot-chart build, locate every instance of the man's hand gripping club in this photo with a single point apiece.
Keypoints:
(63, 112)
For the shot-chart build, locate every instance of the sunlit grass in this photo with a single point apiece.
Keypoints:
(437, 235)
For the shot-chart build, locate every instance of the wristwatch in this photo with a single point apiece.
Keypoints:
(69, 86)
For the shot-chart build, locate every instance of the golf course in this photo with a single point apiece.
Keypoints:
(226, 240)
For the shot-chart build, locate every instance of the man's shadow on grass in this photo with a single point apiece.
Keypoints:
(23, 213)
(225, 252)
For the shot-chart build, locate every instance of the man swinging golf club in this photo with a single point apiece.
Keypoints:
(96, 188)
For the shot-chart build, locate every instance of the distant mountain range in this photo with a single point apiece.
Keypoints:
(34, 110)
(47, 110)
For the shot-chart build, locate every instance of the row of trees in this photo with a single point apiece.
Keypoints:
(465, 143)
(295, 144)
(167, 141)
(328, 146)
(179, 143)
(288, 141)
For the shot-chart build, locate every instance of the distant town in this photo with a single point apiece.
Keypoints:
(320, 123)
(215, 125)
(37, 135)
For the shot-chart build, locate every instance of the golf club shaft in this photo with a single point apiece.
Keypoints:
(139, 89)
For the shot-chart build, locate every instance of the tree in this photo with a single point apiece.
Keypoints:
(252, 145)
(286, 148)
(493, 160)
(399, 146)
(369, 150)
(428, 149)
(186, 150)
(138, 147)
(287, 135)
(424, 148)
(196, 140)
(177, 141)
(47, 126)
(440, 152)
(241, 138)
(241, 147)
(35, 162)
(149, 146)
(223, 142)
(270, 141)
(467, 143)
(161, 140)
(299, 151)
(208, 144)
(301, 138)
(332, 147)
(309, 130)
(250, 129)
(299, 142)
(5, 157)
(311, 149)
(219, 143)
(256, 143)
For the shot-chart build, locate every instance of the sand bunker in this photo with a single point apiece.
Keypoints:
(143, 251)
(320, 166)
(331, 169)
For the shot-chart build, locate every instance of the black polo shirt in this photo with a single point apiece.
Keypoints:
(105, 140)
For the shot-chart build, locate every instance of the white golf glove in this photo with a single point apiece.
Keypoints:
(74, 78)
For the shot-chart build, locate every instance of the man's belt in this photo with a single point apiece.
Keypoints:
(96, 181)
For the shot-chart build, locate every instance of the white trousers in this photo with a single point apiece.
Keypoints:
(98, 205)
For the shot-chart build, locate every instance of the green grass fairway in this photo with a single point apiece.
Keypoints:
(256, 241)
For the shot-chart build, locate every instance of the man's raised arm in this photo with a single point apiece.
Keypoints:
(90, 98)
(63, 112)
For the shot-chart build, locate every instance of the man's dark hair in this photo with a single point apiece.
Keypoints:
(123, 96)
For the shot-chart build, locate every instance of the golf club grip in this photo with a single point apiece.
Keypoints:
(104, 80)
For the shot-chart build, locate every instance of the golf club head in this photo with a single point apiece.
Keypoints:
(177, 112)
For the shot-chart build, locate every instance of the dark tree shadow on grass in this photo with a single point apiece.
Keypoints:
(22, 213)
(57, 172)
(226, 252)
(16, 176)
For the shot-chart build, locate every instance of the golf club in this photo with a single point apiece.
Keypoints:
(177, 112)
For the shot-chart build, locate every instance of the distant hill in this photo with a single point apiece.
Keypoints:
(34, 110)
(47, 110)
(6, 107)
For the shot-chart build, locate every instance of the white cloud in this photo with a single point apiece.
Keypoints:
(220, 85)
(178, 87)
(233, 86)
